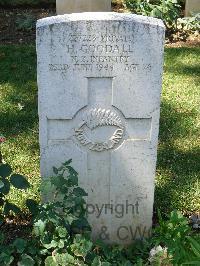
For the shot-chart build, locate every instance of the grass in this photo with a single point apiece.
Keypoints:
(178, 168)
(178, 172)
(18, 114)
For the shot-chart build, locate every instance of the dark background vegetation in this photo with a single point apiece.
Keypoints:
(33, 3)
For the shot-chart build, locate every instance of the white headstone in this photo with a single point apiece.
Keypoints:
(192, 7)
(76, 6)
(99, 78)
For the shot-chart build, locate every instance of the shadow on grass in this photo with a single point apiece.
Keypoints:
(178, 168)
(189, 70)
(18, 111)
(181, 61)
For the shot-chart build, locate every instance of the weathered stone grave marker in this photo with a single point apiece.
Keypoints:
(192, 7)
(99, 78)
(76, 6)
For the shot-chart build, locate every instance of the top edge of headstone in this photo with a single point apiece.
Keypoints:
(97, 16)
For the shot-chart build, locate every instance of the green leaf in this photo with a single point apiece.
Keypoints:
(26, 260)
(11, 207)
(43, 252)
(61, 243)
(51, 245)
(139, 262)
(2, 238)
(50, 262)
(58, 182)
(7, 259)
(73, 180)
(67, 162)
(55, 170)
(5, 170)
(156, 13)
(6, 188)
(96, 261)
(79, 201)
(79, 192)
(195, 246)
(1, 219)
(72, 171)
(32, 206)
(62, 232)
(46, 187)
(196, 263)
(19, 181)
(20, 245)
(2, 201)
(81, 246)
(39, 227)
(66, 259)
(81, 224)
(1, 184)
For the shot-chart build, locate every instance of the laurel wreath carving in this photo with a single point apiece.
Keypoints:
(102, 117)
(98, 117)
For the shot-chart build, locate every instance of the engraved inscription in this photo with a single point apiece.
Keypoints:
(102, 38)
(102, 49)
(98, 52)
(79, 65)
(95, 118)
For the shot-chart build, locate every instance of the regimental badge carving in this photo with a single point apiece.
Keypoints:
(95, 118)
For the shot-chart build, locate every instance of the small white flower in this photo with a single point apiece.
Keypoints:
(155, 250)
(20, 106)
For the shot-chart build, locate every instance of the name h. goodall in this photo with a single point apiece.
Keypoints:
(100, 48)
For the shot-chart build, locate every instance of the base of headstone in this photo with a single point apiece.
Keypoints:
(192, 7)
(77, 6)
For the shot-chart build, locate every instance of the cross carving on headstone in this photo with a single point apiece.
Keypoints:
(99, 129)
(100, 113)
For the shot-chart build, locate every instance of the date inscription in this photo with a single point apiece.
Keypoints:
(97, 52)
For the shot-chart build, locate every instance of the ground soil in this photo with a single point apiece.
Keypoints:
(16, 227)
(13, 32)
(190, 42)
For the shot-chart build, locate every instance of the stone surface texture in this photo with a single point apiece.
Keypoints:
(99, 79)
(76, 6)
(192, 7)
